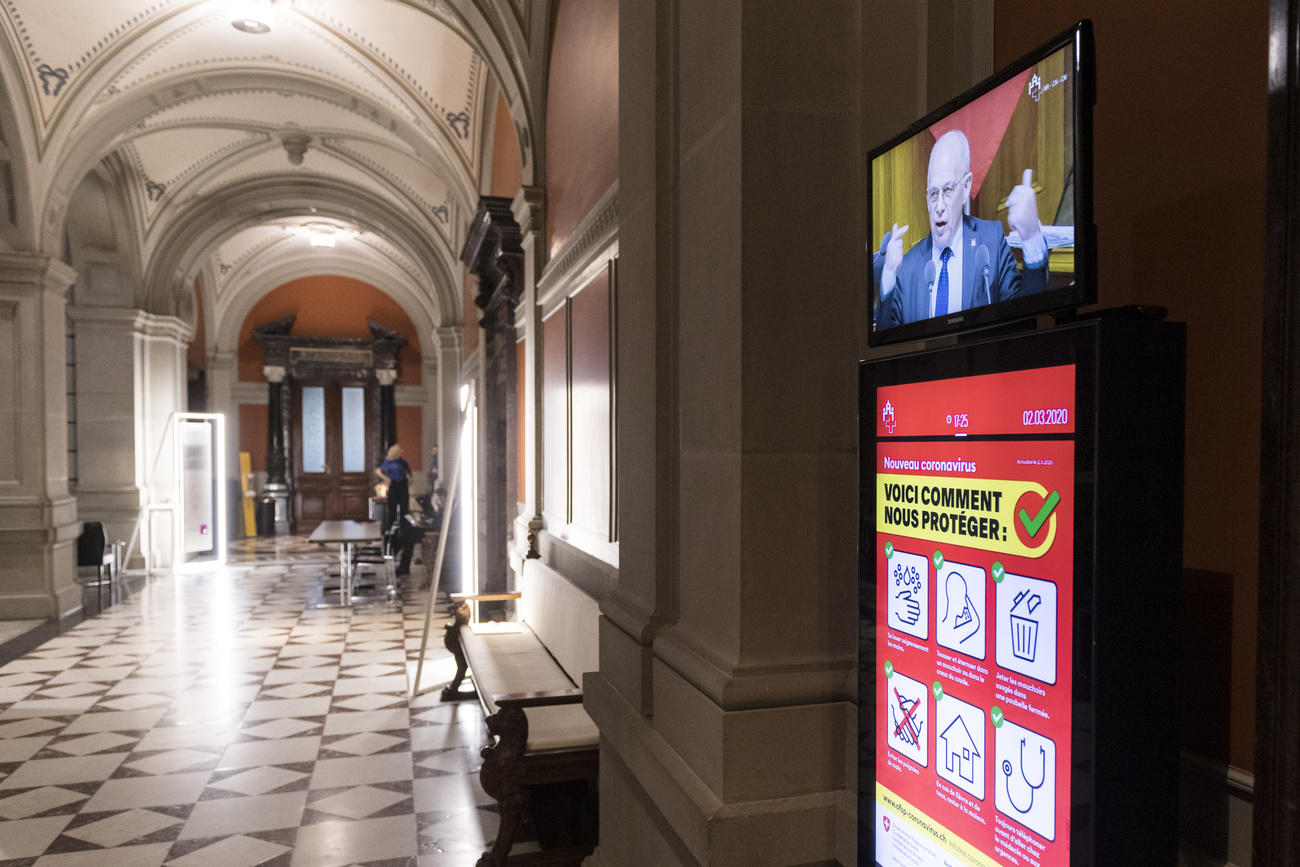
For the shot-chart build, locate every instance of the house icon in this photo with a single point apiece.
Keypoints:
(959, 750)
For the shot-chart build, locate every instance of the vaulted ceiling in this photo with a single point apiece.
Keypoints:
(248, 141)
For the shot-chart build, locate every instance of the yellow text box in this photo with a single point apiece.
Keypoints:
(976, 513)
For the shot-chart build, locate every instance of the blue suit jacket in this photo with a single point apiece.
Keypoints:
(909, 299)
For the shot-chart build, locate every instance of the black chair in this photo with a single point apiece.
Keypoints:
(93, 550)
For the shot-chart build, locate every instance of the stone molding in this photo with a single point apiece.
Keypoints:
(529, 208)
(590, 243)
(34, 513)
(448, 338)
(747, 687)
(248, 392)
(135, 320)
(19, 271)
(222, 359)
(411, 395)
(704, 821)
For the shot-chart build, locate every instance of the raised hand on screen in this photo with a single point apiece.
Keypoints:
(1022, 208)
(893, 257)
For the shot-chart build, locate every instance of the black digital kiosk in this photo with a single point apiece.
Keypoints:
(1021, 501)
(1020, 559)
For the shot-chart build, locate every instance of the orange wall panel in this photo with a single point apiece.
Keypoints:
(328, 306)
(590, 415)
(1180, 143)
(252, 433)
(555, 412)
(410, 433)
(581, 114)
(507, 166)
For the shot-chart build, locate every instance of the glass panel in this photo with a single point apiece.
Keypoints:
(354, 430)
(313, 429)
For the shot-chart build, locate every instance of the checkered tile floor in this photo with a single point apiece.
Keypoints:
(220, 718)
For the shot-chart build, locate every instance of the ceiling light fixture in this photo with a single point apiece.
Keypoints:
(252, 16)
(321, 234)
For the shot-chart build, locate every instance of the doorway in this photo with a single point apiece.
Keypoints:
(334, 439)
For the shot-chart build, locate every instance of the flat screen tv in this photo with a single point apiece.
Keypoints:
(981, 212)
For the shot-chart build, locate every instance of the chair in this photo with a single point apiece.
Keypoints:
(93, 550)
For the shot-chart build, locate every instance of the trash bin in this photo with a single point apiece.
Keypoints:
(264, 516)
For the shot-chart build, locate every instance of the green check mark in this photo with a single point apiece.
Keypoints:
(996, 715)
(1032, 526)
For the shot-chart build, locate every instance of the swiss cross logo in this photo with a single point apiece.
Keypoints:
(888, 417)
(886, 820)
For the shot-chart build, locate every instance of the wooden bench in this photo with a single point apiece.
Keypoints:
(527, 675)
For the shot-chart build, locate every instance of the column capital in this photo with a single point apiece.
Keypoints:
(448, 337)
(493, 254)
(30, 270)
(274, 373)
(222, 359)
(529, 209)
(386, 376)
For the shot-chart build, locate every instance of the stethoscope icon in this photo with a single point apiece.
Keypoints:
(1033, 787)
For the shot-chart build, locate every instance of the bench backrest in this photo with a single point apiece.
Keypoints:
(563, 616)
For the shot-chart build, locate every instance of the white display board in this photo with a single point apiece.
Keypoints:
(200, 519)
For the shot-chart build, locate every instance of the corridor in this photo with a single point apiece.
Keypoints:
(220, 718)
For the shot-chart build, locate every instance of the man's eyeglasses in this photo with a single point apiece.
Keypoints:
(933, 193)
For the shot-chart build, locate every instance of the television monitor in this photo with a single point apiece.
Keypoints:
(981, 212)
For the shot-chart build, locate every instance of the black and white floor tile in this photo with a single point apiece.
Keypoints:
(222, 718)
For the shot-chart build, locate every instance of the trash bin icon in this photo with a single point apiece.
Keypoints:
(1024, 637)
(1024, 629)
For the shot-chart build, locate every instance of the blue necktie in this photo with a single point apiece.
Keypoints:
(941, 300)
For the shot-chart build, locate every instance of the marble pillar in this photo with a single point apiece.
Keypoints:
(277, 455)
(387, 377)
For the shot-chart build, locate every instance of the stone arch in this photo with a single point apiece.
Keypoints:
(193, 237)
(79, 149)
(231, 315)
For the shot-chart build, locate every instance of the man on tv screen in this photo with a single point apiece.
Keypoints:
(964, 262)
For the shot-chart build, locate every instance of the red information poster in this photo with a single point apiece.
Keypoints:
(974, 592)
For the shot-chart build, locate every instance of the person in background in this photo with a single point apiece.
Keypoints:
(396, 473)
(432, 473)
(450, 581)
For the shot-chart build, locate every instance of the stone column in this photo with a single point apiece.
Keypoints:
(130, 380)
(222, 373)
(529, 212)
(429, 413)
(726, 682)
(277, 456)
(110, 484)
(447, 344)
(161, 392)
(493, 255)
(38, 517)
(387, 411)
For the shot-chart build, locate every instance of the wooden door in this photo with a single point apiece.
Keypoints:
(334, 432)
